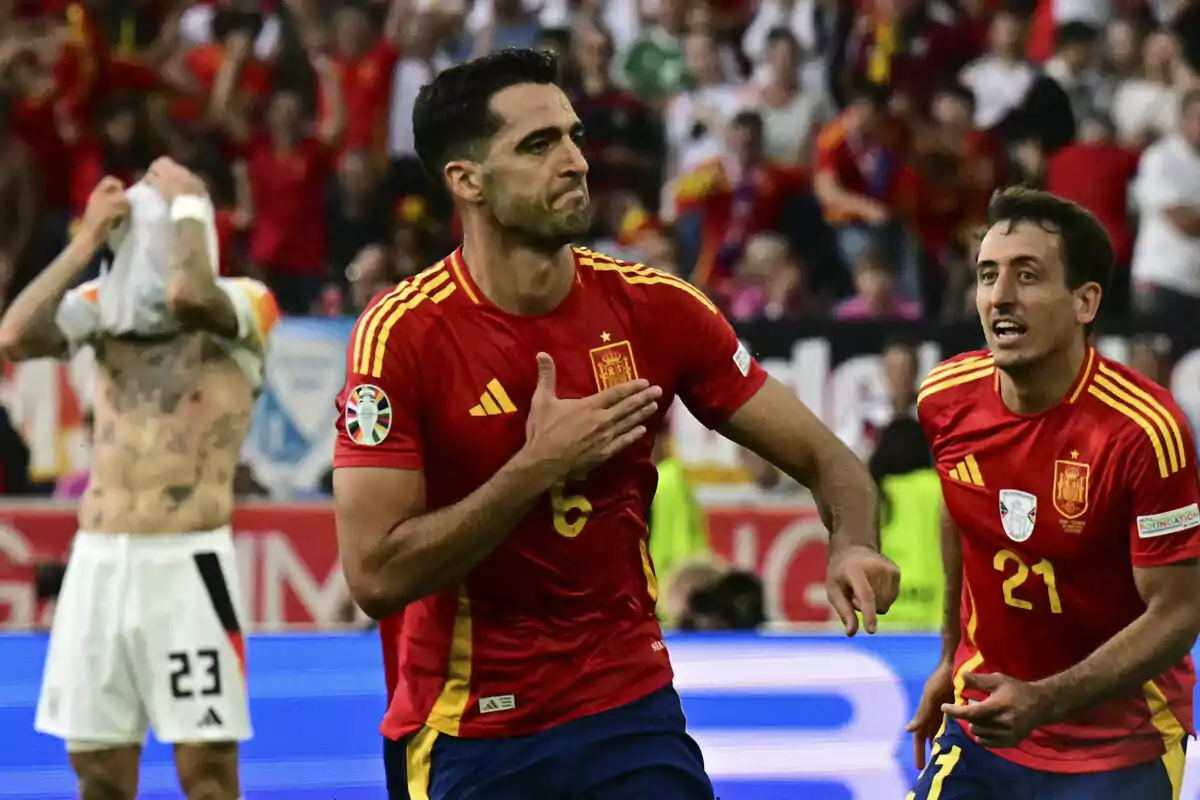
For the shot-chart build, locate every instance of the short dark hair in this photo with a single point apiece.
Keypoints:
(1075, 32)
(1086, 251)
(868, 93)
(452, 114)
(952, 87)
(748, 119)
(782, 33)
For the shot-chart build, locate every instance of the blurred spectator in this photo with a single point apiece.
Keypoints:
(19, 202)
(369, 274)
(955, 168)
(501, 23)
(734, 602)
(821, 29)
(856, 180)
(678, 531)
(768, 283)
(1072, 67)
(910, 501)
(289, 171)
(1002, 78)
(198, 26)
(1145, 104)
(877, 296)
(696, 117)
(731, 198)
(902, 47)
(1095, 173)
(793, 111)
(624, 144)
(678, 586)
(897, 400)
(123, 147)
(654, 65)
(232, 29)
(1166, 255)
(364, 61)
(359, 212)
(1151, 356)
(1123, 39)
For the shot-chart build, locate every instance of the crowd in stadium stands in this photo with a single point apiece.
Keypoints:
(798, 157)
(814, 158)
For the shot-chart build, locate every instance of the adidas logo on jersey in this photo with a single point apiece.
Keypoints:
(502, 702)
(493, 402)
(210, 718)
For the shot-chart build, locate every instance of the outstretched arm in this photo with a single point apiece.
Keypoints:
(777, 426)
(781, 429)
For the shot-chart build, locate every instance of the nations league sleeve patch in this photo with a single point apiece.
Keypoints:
(368, 415)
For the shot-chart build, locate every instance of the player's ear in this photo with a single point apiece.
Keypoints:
(465, 180)
(1087, 302)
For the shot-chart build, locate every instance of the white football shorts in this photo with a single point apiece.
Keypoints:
(146, 632)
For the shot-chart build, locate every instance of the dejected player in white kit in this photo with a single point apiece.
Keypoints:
(146, 630)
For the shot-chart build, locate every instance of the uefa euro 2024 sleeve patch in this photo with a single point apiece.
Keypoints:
(368, 415)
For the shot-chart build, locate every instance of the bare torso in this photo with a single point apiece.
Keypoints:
(170, 418)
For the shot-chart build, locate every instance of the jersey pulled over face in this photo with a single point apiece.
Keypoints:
(559, 621)
(1055, 512)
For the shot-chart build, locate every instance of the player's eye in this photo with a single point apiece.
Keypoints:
(537, 147)
(578, 137)
(987, 276)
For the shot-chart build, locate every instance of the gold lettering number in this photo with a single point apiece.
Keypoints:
(1046, 570)
(571, 511)
(1043, 569)
(945, 763)
(1000, 562)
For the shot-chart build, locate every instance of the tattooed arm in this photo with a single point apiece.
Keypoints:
(193, 295)
(29, 328)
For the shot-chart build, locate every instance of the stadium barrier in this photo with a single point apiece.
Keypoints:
(778, 717)
(290, 575)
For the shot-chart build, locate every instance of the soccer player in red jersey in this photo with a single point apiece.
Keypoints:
(493, 471)
(1070, 542)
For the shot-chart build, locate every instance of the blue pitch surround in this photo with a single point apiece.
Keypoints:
(778, 717)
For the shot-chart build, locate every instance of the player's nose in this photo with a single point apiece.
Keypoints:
(574, 162)
(1003, 291)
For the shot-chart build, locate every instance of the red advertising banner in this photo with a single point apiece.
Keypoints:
(289, 572)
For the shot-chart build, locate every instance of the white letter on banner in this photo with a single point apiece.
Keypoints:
(283, 568)
(859, 755)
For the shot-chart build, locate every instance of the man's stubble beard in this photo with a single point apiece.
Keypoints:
(535, 224)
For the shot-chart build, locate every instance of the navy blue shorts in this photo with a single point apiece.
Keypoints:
(960, 769)
(639, 751)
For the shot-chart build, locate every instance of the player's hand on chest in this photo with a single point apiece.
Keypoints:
(479, 416)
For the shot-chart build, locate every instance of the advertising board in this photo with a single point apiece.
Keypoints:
(290, 575)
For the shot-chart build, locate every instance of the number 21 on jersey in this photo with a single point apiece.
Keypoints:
(1004, 561)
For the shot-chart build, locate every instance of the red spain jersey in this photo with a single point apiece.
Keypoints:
(1055, 512)
(559, 621)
